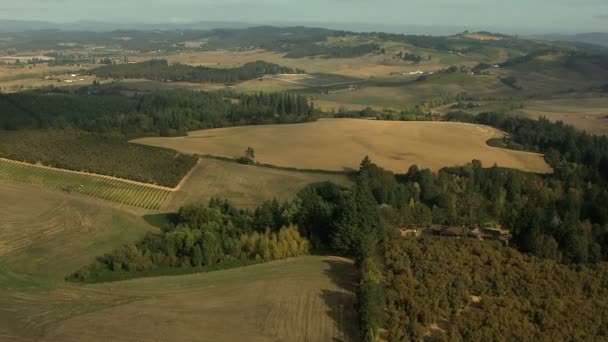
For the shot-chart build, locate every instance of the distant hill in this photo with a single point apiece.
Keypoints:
(99, 26)
(597, 38)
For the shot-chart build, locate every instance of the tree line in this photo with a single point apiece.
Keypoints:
(160, 70)
(203, 235)
(168, 112)
(323, 217)
(63, 129)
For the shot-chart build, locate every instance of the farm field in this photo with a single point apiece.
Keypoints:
(46, 235)
(588, 114)
(400, 92)
(14, 78)
(122, 192)
(316, 80)
(36, 304)
(302, 299)
(340, 144)
(359, 67)
(245, 186)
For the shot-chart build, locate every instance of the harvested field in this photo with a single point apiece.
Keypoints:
(360, 67)
(481, 36)
(46, 235)
(340, 144)
(245, 186)
(588, 114)
(308, 301)
(301, 299)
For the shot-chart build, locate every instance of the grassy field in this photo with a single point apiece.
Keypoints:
(400, 92)
(340, 144)
(43, 236)
(115, 190)
(15, 78)
(245, 186)
(589, 114)
(303, 299)
(360, 67)
(46, 235)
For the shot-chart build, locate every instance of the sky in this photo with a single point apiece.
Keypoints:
(549, 16)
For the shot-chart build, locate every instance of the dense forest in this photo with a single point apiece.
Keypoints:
(160, 70)
(471, 290)
(64, 129)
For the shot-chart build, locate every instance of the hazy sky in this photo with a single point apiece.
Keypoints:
(544, 15)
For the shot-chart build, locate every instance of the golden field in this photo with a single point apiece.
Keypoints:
(340, 144)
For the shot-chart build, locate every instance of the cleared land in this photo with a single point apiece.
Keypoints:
(302, 299)
(16, 78)
(245, 186)
(359, 67)
(107, 188)
(588, 114)
(46, 235)
(399, 92)
(340, 144)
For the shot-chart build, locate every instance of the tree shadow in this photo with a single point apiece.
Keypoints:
(342, 273)
(341, 304)
(161, 221)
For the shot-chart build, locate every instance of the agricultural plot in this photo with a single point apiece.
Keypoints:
(361, 67)
(244, 186)
(588, 114)
(111, 189)
(399, 92)
(46, 235)
(317, 80)
(341, 144)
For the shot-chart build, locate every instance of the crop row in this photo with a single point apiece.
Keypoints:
(114, 190)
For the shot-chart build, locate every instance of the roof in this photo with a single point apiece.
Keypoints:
(455, 231)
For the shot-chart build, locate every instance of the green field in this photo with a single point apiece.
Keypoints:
(105, 188)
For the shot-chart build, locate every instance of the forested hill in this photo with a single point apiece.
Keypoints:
(161, 70)
(171, 112)
(295, 42)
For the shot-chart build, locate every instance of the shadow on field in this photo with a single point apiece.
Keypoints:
(341, 303)
(341, 273)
